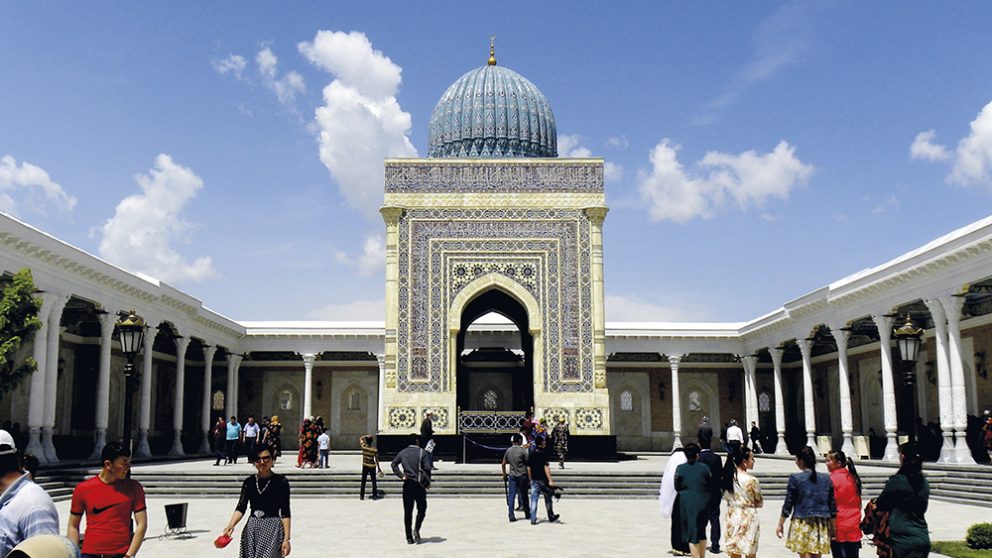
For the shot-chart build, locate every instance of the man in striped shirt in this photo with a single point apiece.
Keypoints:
(370, 464)
(26, 509)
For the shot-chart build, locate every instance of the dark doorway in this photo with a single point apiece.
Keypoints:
(510, 375)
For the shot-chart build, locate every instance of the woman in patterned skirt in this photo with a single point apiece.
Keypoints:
(742, 494)
(266, 534)
(809, 498)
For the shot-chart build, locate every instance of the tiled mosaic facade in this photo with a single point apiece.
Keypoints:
(546, 251)
(493, 177)
(402, 417)
(589, 419)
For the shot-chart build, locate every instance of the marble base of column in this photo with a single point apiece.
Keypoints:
(34, 445)
(177, 445)
(676, 440)
(99, 440)
(781, 448)
(811, 442)
(847, 446)
(891, 448)
(947, 453)
(205, 444)
(962, 450)
(142, 449)
(48, 445)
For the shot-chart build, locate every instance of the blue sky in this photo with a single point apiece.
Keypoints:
(758, 150)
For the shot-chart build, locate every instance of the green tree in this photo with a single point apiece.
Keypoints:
(18, 322)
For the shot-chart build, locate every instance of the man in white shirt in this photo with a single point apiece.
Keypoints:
(735, 438)
(26, 509)
(324, 445)
(250, 434)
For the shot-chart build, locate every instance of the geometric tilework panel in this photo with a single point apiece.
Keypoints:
(546, 251)
(588, 419)
(440, 416)
(402, 417)
(502, 178)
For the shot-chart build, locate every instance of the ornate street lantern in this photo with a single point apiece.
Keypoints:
(131, 333)
(908, 339)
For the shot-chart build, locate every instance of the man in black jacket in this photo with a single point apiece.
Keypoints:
(712, 461)
(705, 433)
(416, 476)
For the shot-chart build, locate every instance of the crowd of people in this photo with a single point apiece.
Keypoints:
(824, 511)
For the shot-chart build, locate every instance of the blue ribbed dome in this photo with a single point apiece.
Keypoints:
(492, 111)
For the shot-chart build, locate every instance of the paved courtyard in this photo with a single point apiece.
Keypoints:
(476, 526)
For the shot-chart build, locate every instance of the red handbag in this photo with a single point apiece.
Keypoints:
(222, 541)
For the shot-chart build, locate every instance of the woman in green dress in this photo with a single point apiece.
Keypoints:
(692, 482)
(906, 496)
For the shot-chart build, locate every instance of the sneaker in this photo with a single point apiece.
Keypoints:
(715, 549)
(554, 518)
(416, 536)
(409, 541)
(513, 518)
(533, 522)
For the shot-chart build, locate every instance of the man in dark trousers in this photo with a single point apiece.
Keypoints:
(427, 432)
(705, 432)
(416, 478)
(541, 483)
(516, 479)
(712, 461)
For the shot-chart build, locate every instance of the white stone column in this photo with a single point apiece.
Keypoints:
(208, 377)
(841, 336)
(182, 343)
(781, 448)
(596, 217)
(233, 363)
(102, 415)
(142, 449)
(381, 403)
(884, 325)
(55, 331)
(36, 403)
(750, 365)
(952, 308)
(945, 402)
(674, 361)
(806, 348)
(308, 360)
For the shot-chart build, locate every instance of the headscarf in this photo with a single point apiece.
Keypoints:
(666, 495)
(274, 419)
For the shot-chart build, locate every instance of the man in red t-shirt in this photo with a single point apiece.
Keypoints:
(108, 500)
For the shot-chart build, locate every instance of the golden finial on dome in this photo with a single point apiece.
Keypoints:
(492, 50)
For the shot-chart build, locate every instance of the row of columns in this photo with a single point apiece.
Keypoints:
(44, 385)
(946, 313)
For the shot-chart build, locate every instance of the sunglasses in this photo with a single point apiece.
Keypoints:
(265, 458)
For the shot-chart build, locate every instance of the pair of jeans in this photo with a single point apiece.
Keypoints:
(413, 493)
(231, 448)
(516, 490)
(536, 488)
(250, 449)
(323, 459)
(366, 473)
(845, 549)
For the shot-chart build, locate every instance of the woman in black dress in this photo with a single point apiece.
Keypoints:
(266, 534)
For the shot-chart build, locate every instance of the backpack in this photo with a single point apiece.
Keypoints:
(876, 526)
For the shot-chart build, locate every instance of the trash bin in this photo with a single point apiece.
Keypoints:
(175, 515)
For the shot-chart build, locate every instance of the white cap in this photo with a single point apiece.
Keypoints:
(7, 445)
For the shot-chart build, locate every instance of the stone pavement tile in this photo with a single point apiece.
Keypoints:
(475, 527)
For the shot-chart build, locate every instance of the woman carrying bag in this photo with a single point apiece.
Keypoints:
(266, 534)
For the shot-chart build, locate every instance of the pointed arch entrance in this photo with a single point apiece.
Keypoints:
(495, 375)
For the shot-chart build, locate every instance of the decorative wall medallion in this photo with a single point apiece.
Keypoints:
(402, 417)
(554, 414)
(588, 419)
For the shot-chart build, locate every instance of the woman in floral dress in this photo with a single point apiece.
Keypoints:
(273, 437)
(742, 494)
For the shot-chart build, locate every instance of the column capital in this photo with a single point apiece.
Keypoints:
(841, 336)
(952, 306)
(884, 324)
(234, 359)
(381, 359)
(391, 214)
(776, 354)
(674, 360)
(596, 214)
(805, 346)
(209, 351)
(309, 359)
(182, 343)
(108, 320)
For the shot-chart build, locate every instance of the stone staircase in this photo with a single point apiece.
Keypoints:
(961, 484)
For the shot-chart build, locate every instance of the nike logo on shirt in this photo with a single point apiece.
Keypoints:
(97, 511)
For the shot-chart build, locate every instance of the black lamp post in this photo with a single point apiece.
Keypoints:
(131, 332)
(908, 340)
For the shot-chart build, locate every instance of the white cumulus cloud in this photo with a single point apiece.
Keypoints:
(924, 148)
(570, 145)
(286, 87)
(29, 187)
(141, 234)
(371, 261)
(971, 161)
(747, 179)
(360, 122)
(233, 64)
